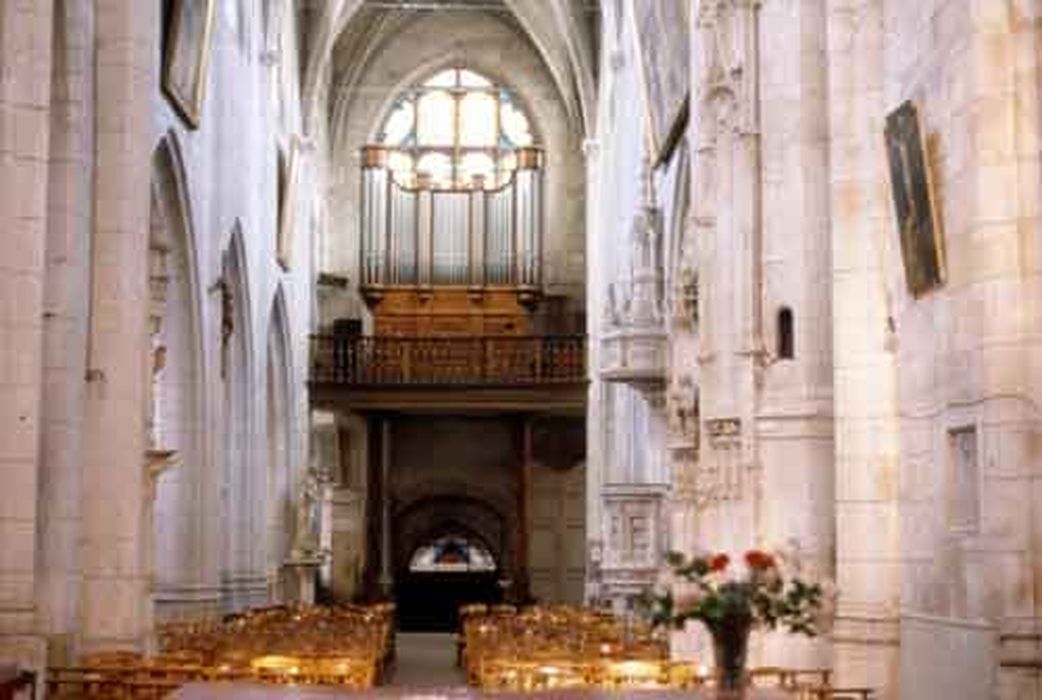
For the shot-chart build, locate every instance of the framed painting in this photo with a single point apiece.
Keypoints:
(288, 175)
(662, 29)
(922, 243)
(187, 51)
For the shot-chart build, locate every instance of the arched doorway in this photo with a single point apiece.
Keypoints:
(448, 571)
(450, 551)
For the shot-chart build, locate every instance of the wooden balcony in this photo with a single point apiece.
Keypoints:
(451, 372)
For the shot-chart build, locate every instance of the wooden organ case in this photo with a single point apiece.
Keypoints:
(454, 262)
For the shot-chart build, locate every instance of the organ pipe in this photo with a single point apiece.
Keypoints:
(478, 236)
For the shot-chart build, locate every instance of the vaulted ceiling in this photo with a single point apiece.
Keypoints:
(343, 35)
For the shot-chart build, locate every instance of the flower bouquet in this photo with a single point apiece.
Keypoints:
(730, 603)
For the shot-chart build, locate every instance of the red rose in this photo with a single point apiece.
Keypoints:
(757, 560)
(719, 562)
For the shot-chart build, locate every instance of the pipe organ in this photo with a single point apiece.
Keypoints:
(487, 234)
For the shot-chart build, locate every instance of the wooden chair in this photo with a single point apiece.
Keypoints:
(685, 675)
(14, 680)
(150, 688)
(634, 674)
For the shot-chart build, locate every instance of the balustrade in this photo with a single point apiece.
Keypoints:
(471, 361)
(466, 236)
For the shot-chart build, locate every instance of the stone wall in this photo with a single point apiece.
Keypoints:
(126, 227)
(899, 444)
(25, 104)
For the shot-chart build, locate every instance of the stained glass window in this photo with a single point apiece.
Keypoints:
(456, 130)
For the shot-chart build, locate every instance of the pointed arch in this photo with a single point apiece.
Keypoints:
(170, 192)
(235, 271)
(243, 580)
(279, 474)
(279, 327)
(177, 406)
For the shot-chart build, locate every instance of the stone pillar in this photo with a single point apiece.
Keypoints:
(595, 400)
(726, 200)
(386, 573)
(794, 420)
(65, 321)
(114, 611)
(866, 421)
(26, 30)
(373, 511)
(524, 517)
(745, 210)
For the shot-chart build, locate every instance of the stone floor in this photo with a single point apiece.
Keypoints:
(424, 660)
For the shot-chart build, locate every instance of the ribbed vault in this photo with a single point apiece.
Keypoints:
(345, 33)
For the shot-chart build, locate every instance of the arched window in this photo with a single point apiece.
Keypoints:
(452, 189)
(452, 554)
(456, 130)
(786, 339)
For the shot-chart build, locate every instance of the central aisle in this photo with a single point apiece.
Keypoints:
(426, 659)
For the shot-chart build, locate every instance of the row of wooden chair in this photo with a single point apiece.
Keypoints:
(542, 647)
(349, 647)
(548, 648)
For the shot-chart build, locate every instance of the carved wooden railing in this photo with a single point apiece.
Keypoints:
(433, 361)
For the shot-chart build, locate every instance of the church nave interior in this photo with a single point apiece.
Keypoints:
(554, 344)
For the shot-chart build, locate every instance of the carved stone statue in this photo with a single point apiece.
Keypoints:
(308, 532)
(683, 416)
(685, 306)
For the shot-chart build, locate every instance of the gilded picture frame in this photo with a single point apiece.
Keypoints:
(186, 56)
(288, 176)
(922, 242)
(662, 29)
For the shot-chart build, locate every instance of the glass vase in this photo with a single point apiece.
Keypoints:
(730, 644)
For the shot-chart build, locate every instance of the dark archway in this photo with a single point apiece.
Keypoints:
(429, 596)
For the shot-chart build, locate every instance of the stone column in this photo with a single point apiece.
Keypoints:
(794, 421)
(70, 209)
(595, 400)
(866, 421)
(744, 212)
(386, 573)
(114, 533)
(726, 200)
(26, 31)
(524, 501)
